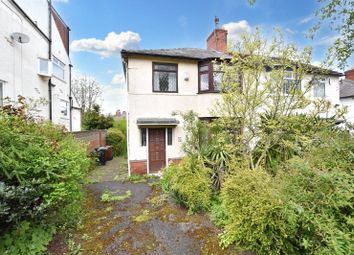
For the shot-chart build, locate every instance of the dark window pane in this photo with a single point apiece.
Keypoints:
(165, 81)
(204, 68)
(143, 137)
(165, 67)
(169, 136)
(204, 81)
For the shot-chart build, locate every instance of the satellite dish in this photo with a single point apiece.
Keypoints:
(20, 37)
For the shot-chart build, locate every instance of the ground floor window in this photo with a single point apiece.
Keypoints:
(143, 136)
(169, 136)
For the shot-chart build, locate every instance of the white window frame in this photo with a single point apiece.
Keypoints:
(317, 83)
(64, 113)
(289, 78)
(59, 64)
(48, 71)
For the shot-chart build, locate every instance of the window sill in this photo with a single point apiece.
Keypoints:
(209, 92)
(165, 92)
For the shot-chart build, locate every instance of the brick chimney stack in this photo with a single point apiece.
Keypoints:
(349, 75)
(217, 40)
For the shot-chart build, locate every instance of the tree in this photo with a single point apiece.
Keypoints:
(340, 15)
(86, 90)
(264, 86)
(94, 119)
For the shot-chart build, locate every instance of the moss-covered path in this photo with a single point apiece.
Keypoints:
(134, 217)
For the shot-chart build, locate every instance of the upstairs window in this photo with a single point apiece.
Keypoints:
(58, 68)
(319, 88)
(210, 77)
(290, 83)
(165, 77)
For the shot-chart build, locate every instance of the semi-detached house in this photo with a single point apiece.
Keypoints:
(34, 59)
(163, 81)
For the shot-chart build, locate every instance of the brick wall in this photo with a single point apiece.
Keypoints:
(94, 138)
(349, 75)
(138, 167)
(217, 40)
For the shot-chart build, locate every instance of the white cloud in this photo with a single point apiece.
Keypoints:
(325, 40)
(236, 29)
(118, 79)
(113, 98)
(109, 46)
(290, 31)
(306, 19)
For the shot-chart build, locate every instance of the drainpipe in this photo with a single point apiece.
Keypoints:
(70, 99)
(50, 58)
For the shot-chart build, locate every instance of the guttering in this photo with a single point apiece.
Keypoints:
(50, 57)
(70, 99)
(34, 25)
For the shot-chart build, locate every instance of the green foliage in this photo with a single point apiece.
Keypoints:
(116, 139)
(94, 119)
(107, 196)
(41, 167)
(305, 209)
(189, 184)
(255, 217)
(26, 239)
(218, 212)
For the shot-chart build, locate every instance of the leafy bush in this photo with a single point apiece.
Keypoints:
(189, 184)
(255, 217)
(26, 239)
(41, 167)
(122, 126)
(305, 209)
(115, 138)
(94, 119)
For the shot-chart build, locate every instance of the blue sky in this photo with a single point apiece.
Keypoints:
(171, 24)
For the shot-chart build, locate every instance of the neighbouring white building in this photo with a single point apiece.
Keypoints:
(160, 82)
(34, 59)
(347, 94)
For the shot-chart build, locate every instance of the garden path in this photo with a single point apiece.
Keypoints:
(140, 220)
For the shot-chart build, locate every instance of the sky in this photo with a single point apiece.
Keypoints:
(101, 28)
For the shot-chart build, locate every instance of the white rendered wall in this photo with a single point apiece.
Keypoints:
(349, 102)
(143, 103)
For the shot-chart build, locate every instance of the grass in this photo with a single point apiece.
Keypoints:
(107, 196)
(143, 217)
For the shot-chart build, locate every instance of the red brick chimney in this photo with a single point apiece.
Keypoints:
(217, 40)
(349, 75)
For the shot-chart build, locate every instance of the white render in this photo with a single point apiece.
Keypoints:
(144, 103)
(349, 102)
(19, 62)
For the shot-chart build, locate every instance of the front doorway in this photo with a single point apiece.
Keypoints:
(157, 149)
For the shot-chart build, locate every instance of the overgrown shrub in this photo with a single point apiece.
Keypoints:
(115, 138)
(189, 184)
(122, 126)
(255, 216)
(41, 169)
(305, 209)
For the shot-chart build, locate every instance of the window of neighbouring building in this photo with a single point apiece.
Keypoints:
(169, 136)
(290, 83)
(58, 68)
(64, 108)
(165, 78)
(210, 77)
(319, 88)
(143, 136)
